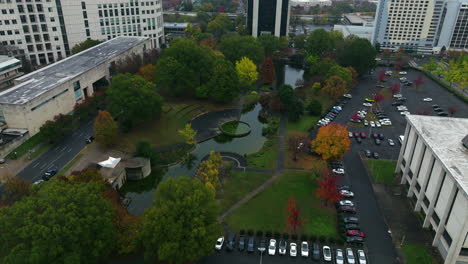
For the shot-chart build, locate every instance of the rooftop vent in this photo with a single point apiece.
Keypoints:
(465, 141)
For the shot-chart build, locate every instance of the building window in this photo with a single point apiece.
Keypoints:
(447, 238)
(77, 89)
(464, 252)
(410, 173)
(426, 201)
(418, 187)
(436, 218)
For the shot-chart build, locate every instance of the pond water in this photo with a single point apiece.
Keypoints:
(292, 75)
(142, 199)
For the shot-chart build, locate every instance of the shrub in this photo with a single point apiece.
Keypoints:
(313, 237)
(286, 236)
(304, 237)
(242, 231)
(259, 233)
(331, 240)
(271, 128)
(322, 239)
(268, 233)
(250, 232)
(314, 108)
(294, 237)
(277, 235)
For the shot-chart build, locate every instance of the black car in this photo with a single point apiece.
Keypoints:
(408, 83)
(350, 220)
(347, 209)
(315, 251)
(352, 227)
(368, 153)
(402, 99)
(442, 114)
(381, 136)
(377, 141)
(375, 155)
(397, 103)
(89, 140)
(49, 174)
(230, 242)
(250, 245)
(359, 140)
(262, 246)
(354, 239)
(438, 109)
(435, 106)
(241, 243)
(282, 247)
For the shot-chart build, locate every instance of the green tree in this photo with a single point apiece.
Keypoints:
(357, 53)
(223, 86)
(236, 47)
(144, 149)
(219, 26)
(319, 67)
(62, 223)
(270, 43)
(246, 71)
(299, 41)
(133, 99)
(343, 73)
(105, 129)
(291, 102)
(85, 45)
(431, 66)
(55, 130)
(182, 224)
(316, 88)
(193, 31)
(189, 134)
(314, 108)
(319, 42)
(208, 171)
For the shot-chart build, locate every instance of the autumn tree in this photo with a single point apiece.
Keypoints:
(15, 188)
(268, 71)
(294, 219)
(147, 72)
(316, 88)
(105, 129)
(327, 189)
(296, 143)
(334, 87)
(419, 81)
(189, 134)
(332, 141)
(395, 88)
(378, 97)
(354, 76)
(208, 170)
(246, 71)
(381, 76)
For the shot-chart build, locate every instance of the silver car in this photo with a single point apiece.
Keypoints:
(339, 257)
(361, 257)
(350, 256)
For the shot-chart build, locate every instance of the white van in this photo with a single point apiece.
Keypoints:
(401, 138)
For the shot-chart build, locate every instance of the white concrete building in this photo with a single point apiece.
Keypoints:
(56, 89)
(357, 19)
(311, 3)
(47, 30)
(424, 26)
(433, 165)
(359, 31)
(9, 70)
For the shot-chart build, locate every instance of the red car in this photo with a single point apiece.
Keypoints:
(363, 135)
(356, 134)
(355, 233)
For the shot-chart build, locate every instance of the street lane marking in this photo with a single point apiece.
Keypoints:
(63, 149)
(69, 150)
(36, 164)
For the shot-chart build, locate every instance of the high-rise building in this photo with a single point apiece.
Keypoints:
(268, 17)
(47, 30)
(424, 26)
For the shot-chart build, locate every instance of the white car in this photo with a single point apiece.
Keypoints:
(377, 123)
(427, 99)
(350, 134)
(372, 123)
(403, 73)
(366, 123)
(304, 249)
(348, 96)
(219, 243)
(346, 193)
(327, 255)
(350, 256)
(272, 247)
(38, 181)
(293, 249)
(397, 95)
(390, 142)
(339, 257)
(404, 113)
(338, 171)
(388, 73)
(403, 79)
(367, 104)
(361, 256)
(346, 202)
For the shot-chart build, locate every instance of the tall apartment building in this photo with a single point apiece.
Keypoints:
(268, 17)
(424, 26)
(47, 30)
(433, 165)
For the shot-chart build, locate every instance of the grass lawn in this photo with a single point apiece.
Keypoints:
(265, 158)
(303, 125)
(238, 184)
(70, 164)
(29, 144)
(382, 170)
(417, 254)
(266, 211)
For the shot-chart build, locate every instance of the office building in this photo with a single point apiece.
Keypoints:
(424, 26)
(48, 30)
(358, 31)
(357, 19)
(268, 17)
(9, 70)
(310, 3)
(433, 165)
(56, 89)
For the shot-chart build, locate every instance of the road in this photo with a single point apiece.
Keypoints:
(58, 156)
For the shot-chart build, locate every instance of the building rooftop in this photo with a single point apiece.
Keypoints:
(357, 18)
(175, 25)
(444, 136)
(6, 61)
(41, 81)
(359, 31)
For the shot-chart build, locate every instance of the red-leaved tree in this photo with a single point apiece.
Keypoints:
(294, 215)
(378, 97)
(268, 71)
(452, 110)
(419, 81)
(381, 76)
(395, 88)
(327, 189)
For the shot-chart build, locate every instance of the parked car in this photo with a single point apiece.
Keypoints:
(89, 139)
(241, 245)
(49, 174)
(375, 155)
(390, 142)
(363, 135)
(347, 209)
(352, 227)
(427, 99)
(38, 182)
(327, 254)
(403, 73)
(366, 123)
(251, 245)
(219, 243)
(354, 240)
(369, 100)
(404, 113)
(355, 233)
(348, 96)
(380, 86)
(346, 202)
(381, 136)
(435, 106)
(293, 249)
(372, 123)
(397, 103)
(377, 141)
(350, 256)
(408, 83)
(361, 256)
(339, 258)
(230, 242)
(282, 247)
(262, 246)
(356, 134)
(359, 140)
(350, 134)
(305, 249)
(315, 251)
(346, 193)
(397, 95)
(368, 153)
(272, 247)
(367, 104)
(338, 171)
(442, 114)
(350, 219)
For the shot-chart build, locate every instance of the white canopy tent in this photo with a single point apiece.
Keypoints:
(110, 162)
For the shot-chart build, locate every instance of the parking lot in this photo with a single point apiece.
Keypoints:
(379, 244)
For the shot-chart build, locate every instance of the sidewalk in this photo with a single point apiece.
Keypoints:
(12, 167)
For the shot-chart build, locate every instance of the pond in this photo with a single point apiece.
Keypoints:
(142, 198)
(292, 75)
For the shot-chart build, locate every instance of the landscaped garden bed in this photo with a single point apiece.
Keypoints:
(235, 128)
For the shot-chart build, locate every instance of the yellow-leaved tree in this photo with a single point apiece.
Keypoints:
(208, 170)
(332, 141)
(189, 134)
(246, 71)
